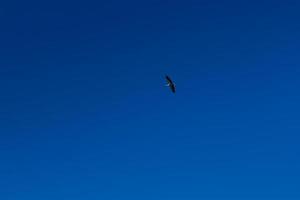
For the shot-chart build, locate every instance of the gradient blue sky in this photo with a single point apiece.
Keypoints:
(84, 113)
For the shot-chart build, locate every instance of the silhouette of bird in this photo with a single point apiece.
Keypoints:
(170, 83)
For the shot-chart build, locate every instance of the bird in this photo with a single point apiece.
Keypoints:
(170, 83)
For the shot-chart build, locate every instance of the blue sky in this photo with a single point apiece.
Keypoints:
(84, 113)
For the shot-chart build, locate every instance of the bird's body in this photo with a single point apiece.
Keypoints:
(171, 84)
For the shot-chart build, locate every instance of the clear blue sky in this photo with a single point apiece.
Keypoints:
(84, 113)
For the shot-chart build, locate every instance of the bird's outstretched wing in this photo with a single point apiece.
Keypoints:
(169, 79)
(172, 87)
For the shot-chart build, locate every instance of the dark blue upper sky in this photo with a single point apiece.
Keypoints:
(84, 113)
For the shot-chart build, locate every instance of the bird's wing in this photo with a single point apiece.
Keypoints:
(172, 87)
(169, 79)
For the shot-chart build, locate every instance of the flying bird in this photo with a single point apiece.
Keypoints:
(170, 84)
